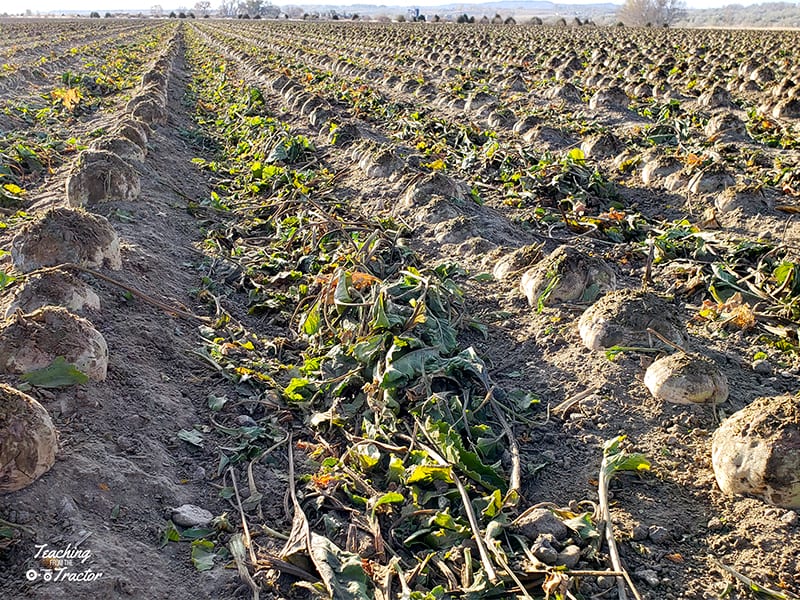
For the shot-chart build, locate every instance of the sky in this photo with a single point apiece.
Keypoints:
(17, 6)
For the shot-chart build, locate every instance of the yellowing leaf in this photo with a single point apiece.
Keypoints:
(68, 97)
(12, 188)
(436, 165)
(576, 154)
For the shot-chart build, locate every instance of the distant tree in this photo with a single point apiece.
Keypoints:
(294, 11)
(640, 13)
(497, 19)
(181, 15)
(227, 8)
(172, 15)
(250, 7)
(108, 15)
(536, 21)
(510, 21)
(202, 8)
(157, 11)
(436, 18)
(354, 17)
(94, 15)
(401, 18)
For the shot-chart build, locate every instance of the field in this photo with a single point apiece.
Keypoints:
(383, 318)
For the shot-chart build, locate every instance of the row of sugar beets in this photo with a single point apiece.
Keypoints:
(43, 329)
(754, 451)
(435, 204)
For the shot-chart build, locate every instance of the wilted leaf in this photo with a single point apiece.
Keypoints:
(6, 279)
(428, 474)
(628, 462)
(368, 456)
(59, 373)
(191, 436)
(203, 555)
(340, 571)
(582, 524)
(171, 534)
(452, 447)
(196, 533)
(216, 403)
(494, 504)
(388, 498)
(313, 320)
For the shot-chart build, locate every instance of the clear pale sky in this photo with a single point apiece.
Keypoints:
(65, 6)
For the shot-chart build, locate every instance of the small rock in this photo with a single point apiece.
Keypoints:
(23, 516)
(540, 521)
(189, 515)
(649, 576)
(762, 367)
(569, 556)
(639, 533)
(605, 582)
(659, 534)
(790, 518)
(543, 549)
(199, 474)
(715, 524)
(126, 444)
(246, 421)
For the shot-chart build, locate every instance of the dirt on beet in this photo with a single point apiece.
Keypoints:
(145, 441)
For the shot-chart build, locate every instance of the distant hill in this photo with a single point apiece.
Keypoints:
(765, 15)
